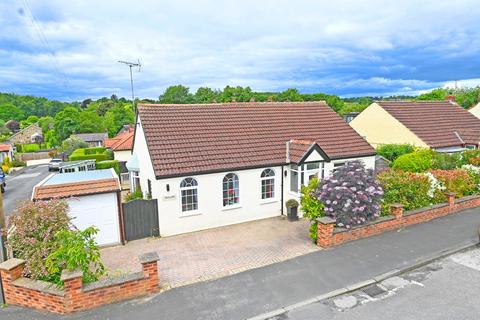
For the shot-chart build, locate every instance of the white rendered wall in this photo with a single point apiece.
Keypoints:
(123, 155)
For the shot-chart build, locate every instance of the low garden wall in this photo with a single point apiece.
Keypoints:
(76, 296)
(328, 235)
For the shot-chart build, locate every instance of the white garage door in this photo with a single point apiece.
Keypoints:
(99, 210)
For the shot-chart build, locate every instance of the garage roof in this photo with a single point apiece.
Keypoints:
(64, 185)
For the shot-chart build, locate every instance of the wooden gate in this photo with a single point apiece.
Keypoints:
(140, 218)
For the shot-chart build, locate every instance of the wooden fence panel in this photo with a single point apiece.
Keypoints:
(140, 219)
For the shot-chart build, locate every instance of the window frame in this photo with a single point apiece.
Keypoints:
(236, 194)
(272, 184)
(194, 195)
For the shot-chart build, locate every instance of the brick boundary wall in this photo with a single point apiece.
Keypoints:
(329, 235)
(76, 296)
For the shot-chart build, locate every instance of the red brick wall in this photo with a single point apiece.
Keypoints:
(75, 296)
(327, 236)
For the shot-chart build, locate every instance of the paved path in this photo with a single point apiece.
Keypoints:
(261, 290)
(20, 186)
(446, 289)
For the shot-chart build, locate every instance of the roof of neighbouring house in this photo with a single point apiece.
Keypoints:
(64, 185)
(200, 138)
(121, 142)
(437, 123)
(92, 137)
(5, 147)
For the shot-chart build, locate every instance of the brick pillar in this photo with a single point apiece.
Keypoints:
(149, 263)
(396, 209)
(451, 199)
(72, 284)
(325, 227)
(11, 270)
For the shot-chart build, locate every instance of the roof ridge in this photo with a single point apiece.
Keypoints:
(266, 103)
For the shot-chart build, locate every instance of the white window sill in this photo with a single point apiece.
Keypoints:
(267, 201)
(231, 207)
(190, 214)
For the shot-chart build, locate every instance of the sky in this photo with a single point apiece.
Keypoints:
(68, 50)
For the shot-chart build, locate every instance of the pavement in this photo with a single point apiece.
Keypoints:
(258, 291)
(20, 185)
(217, 252)
(444, 289)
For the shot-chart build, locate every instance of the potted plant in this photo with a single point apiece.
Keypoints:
(292, 209)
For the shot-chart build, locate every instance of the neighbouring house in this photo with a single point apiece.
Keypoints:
(94, 200)
(93, 139)
(6, 150)
(350, 116)
(31, 134)
(475, 110)
(212, 165)
(76, 166)
(440, 125)
(122, 145)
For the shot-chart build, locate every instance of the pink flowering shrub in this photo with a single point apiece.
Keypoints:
(33, 233)
(351, 195)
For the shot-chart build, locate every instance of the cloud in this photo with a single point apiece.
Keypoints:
(346, 47)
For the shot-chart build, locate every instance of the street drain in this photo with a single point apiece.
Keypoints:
(373, 290)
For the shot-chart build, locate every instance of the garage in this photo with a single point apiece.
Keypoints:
(93, 198)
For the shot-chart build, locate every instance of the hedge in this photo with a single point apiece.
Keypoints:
(31, 147)
(108, 164)
(98, 154)
(393, 151)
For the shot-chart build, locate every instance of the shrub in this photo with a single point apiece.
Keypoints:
(474, 173)
(107, 164)
(94, 150)
(76, 250)
(470, 157)
(458, 181)
(418, 161)
(351, 195)
(18, 163)
(291, 203)
(33, 238)
(445, 161)
(312, 207)
(87, 154)
(393, 151)
(137, 194)
(412, 190)
(474, 161)
(71, 144)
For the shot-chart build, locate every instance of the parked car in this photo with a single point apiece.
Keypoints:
(54, 164)
(3, 184)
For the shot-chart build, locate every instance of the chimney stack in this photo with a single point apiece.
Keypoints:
(450, 98)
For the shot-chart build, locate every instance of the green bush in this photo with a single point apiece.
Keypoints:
(312, 207)
(412, 190)
(469, 156)
(107, 164)
(418, 161)
(76, 250)
(393, 151)
(446, 161)
(90, 153)
(18, 163)
(292, 203)
(137, 194)
(31, 147)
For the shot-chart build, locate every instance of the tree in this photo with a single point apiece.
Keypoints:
(176, 94)
(29, 121)
(116, 117)
(238, 94)
(10, 112)
(67, 122)
(46, 123)
(91, 122)
(206, 95)
(71, 144)
(290, 95)
(13, 125)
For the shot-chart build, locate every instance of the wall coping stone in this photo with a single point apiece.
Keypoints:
(113, 281)
(467, 198)
(326, 220)
(69, 275)
(11, 264)
(396, 205)
(149, 257)
(373, 222)
(420, 210)
(39, 285)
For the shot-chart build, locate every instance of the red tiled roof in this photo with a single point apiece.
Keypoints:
(433, 122)
(66, 190)
(298, 148)
(5, 147)
(186, 139)
(121, 142)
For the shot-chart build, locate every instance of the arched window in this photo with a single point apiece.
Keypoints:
(268, 183)
(231, 191)
(189, 194)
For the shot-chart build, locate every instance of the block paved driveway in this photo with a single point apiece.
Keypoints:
(215, 253)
